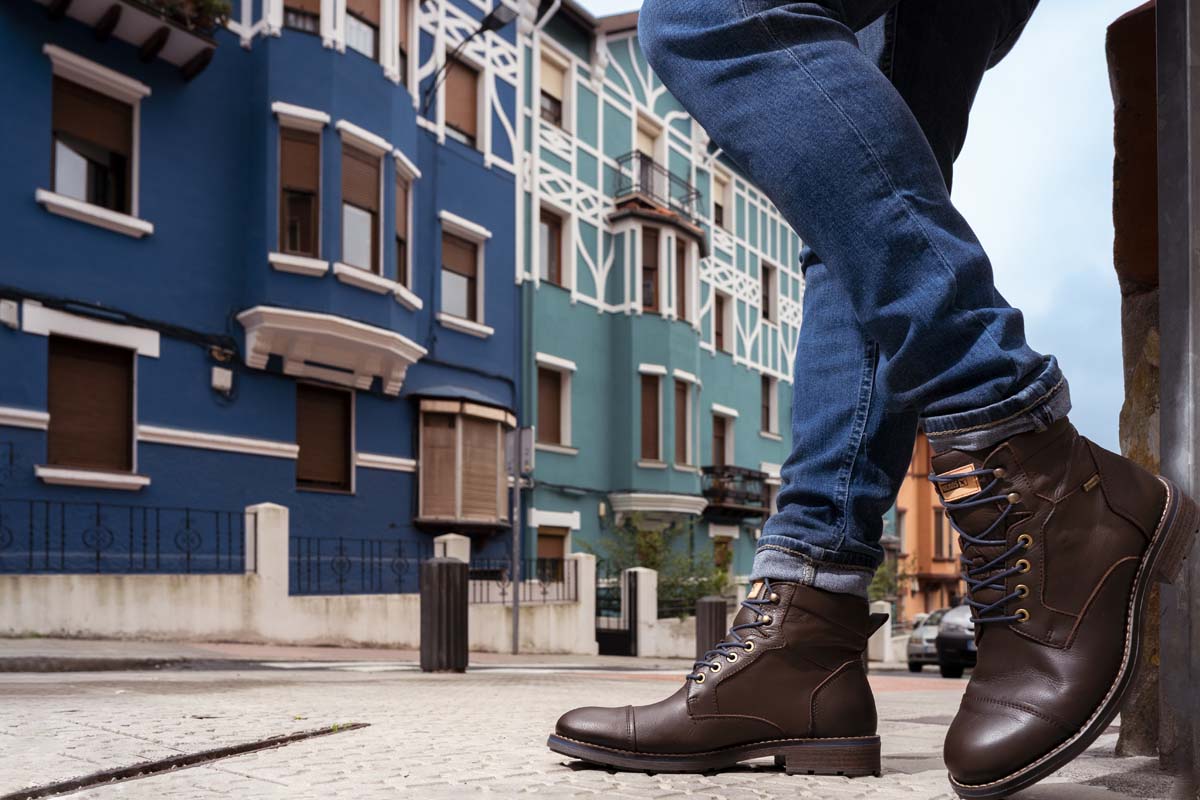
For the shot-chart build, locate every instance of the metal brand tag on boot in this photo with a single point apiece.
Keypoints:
(958, 489)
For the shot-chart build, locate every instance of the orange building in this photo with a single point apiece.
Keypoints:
(922, 548)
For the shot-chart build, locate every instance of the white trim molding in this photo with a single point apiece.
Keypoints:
(42, 321)
(772, 471)
(647, 501)
(408, 298)
(684, 375)
(362, 138)
(553, 519)
(652, 369)
(405, 165)
(305, 340)
(463, 227)
(718, 531)
(299, 117)
(156, 434)
(380, 461)
(94, 76)
(724, 411)
(364, 279)
(92, 214)
(12, 417)
(465, 325)
(561, 449)
(554, 362)
(95, 479)
(298, 265)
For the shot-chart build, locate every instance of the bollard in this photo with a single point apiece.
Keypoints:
(711, 622)
(443, 615)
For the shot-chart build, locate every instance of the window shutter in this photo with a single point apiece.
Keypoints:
(299, 160)
(551, 243)
(439, 466)
(646, 142)
(553, 80)
(549, 406)
(718, 445)
(402, 189)
(681, 422)
(719, 321)
(402, 9)
(323, 432)
(307, 6)
(551, 542)
(766, 403)
(481, 472)
(459, 255)
(462, 94)
(90, 400)
(650, 269)
(93, 117)
(360, 179)
(364, 9)
(650, 417)
(681, 282)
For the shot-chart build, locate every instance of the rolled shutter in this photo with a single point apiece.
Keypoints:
(323, 432)
(402, 9)
(439, 466)
(93, 117)
(459, 255)
(360, 179)
(718, 446)
(462, 94)
(299, 160)
(553, 80)
(90, 400)
(364, 9)
(549, 406)
(681, 422)
(402, 189)
(481, 490)
(650, 417)
(307, 6)
(719, 321)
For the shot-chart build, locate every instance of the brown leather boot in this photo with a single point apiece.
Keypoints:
(787, 682)
(1061, 541)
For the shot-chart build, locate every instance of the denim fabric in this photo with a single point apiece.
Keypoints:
(853, 137)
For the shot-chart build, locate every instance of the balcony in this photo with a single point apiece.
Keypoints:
(644, 182)
(734, 493)
(177, 31)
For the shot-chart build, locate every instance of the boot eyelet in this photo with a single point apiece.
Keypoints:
(1025, 540)
(1022, 591)
(999, 472)
(715, 667)
(1022, 615)
(731, 658)
(700, 678)
(1024, 566)
(1014, 498)
(765, 619)
(774, 597)
(748, 647)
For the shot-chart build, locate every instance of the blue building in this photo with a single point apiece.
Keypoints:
(273, 261)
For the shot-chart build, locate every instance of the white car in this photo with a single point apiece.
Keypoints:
(922, 642)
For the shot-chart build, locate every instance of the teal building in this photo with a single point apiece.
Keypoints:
(661, 304)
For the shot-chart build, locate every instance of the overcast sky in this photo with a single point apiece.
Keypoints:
(1035, 181)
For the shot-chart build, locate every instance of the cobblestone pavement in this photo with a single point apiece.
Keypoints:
(482, 733)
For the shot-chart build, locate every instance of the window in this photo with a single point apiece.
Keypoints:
(462, 101)
(650, 269)
(720, 321)
(551, 388)
(721, 439)
(683, 415)
(299, 191)
(940, 545)
(460, 261)
(646, 145)
(769, 391)
(462, 462)
(324, 431)
(362, 27)
(92, 148)
(768, 292)
(554, 81)
(403, 188)
(720, 194)
(650, 419)
(551, 550)
(551, 247)
(681, 279)
(360, 209)
(90, 400)
(403, 8)
(302, 15)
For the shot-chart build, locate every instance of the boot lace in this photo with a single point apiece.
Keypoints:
(985, 612)
(729, 648)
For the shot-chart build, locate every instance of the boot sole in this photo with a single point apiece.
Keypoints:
(1164, 561)
(850, 757)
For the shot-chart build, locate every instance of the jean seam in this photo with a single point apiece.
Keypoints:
(866, 392)
(1040, 401)
(889, 182)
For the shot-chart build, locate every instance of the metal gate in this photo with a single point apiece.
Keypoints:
(616, 613)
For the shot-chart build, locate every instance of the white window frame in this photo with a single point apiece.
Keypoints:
(765, 267)
(407, 170)
(664, 258)
(566, 375)
(551, 51)
(727, 326)
(772, 432)
(693, 384)
(483, 128)
(568, 243)
(353, 440)
(377, 147)
(313, 121)
(660, 373)
(727, 198)
(730, 415)
(473, 232)
(85, 72)
(689, 313)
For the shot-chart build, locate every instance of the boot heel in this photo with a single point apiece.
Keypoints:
(849, 757)
(1181, 527)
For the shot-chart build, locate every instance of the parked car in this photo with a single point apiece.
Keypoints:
(956, 642)
(922, 642)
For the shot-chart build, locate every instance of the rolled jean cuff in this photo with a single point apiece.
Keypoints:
(1036, 407)
(779, 564)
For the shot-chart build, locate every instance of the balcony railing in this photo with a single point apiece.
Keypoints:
(734, 492)
(642, 176)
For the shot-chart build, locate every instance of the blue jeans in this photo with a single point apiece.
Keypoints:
(849, 114)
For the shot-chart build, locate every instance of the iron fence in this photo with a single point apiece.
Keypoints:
(640, 174)
(49, 536)
(346, 565)
(543, 580)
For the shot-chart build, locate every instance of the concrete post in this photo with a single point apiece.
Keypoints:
(270, 542)
(646, 620)
(452, 545)
(879, 646)
(585, 596)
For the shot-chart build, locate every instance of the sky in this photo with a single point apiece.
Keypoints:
(1035, 182)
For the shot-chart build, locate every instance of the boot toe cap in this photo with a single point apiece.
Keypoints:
(991, 739)
(607, 727)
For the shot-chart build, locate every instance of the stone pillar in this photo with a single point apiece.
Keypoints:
(452, 545)
(879, 646)
(1130, 48)
(584, 572)
(646, 620)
